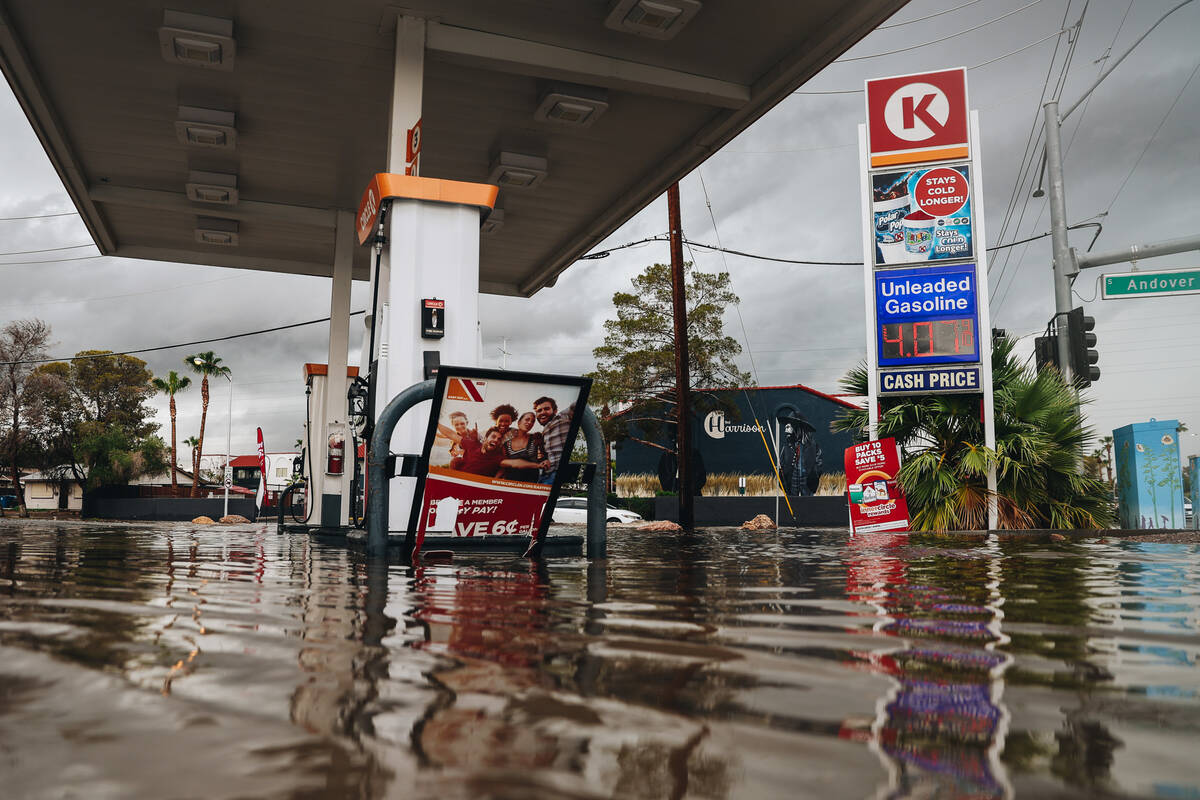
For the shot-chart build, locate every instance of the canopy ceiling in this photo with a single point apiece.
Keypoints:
(308, 96)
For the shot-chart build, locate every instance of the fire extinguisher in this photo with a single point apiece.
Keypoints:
(337, 454)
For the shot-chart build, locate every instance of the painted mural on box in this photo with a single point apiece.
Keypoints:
(922, 215)
(728, 438)
(1149, 477)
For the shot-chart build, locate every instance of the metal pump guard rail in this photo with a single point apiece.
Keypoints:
(377, 477)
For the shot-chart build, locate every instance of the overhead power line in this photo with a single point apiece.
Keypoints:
(41, 216)
(174, 288)
(47, 249)
(993, 60)
(106, 354)
(942, 39)
(1150, 141)
(927, 16)
(48, 261)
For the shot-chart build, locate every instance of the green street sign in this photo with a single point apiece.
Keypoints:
(1151, 284)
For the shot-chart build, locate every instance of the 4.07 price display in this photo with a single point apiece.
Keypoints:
(953, 338)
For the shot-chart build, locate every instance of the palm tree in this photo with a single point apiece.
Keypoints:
(194, 443)
(169, 386)
(1039, 435)
(206, 364)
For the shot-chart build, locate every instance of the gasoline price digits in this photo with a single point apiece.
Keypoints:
(942, 337)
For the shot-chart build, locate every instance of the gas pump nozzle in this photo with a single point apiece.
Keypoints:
(359, 412)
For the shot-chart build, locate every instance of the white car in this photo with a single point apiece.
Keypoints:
(573, 511)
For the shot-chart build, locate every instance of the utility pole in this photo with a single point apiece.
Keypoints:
(1063, 264)
(1066, 264)
(504, 353)
(683, 433)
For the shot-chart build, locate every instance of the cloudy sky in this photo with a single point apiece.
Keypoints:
(788, 187)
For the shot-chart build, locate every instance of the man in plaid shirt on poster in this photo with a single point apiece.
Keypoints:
(555, 427)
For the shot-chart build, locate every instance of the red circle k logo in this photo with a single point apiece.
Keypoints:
(916, 112)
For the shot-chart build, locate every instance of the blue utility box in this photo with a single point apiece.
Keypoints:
(1149, 478)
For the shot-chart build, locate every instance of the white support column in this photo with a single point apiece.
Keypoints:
(332, 492)
(395, 334)
(432, 252)
(408, 81)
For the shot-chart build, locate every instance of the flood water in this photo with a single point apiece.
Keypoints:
(167, 661)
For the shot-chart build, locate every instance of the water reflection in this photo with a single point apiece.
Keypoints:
(941, 727)
(718, 665)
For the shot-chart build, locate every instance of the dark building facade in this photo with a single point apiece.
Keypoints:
(730, 441)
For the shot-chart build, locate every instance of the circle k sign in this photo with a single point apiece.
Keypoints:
(917, 118)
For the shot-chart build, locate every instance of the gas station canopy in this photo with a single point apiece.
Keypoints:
(230, 133)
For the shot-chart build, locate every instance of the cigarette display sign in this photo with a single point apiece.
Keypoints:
(876, 501)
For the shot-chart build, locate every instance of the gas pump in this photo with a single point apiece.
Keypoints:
(424, 295)
(327, 474)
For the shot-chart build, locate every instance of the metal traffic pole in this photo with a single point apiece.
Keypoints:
(1058, 236)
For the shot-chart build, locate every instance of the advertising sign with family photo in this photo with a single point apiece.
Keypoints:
(922, 215)
(494, 446)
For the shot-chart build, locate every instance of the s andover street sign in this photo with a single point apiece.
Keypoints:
(1151, 284)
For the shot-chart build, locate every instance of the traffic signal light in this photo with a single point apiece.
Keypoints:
(1045, 351)
(1082, 340)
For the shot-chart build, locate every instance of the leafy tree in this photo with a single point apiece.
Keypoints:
(21, 341)
(113, 388)
(1039, 434)
(56, 418)
(112, 456)
(636, 363)
(169, 386)
(206, 364)
(92, 415)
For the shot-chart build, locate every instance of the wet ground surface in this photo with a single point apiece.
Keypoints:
(179, 661)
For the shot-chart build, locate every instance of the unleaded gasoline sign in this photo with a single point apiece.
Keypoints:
(914, 119)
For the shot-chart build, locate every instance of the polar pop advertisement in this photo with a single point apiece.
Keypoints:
(495, 442)
(922, 215)
(876, 502)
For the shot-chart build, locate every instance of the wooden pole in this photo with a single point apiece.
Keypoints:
(683, 432)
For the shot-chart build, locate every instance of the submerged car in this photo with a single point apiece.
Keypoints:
(573, 511)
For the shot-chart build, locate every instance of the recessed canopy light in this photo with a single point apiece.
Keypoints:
(206, 127)
(212, 187)
(218, 231)
(572, 105)
(518, 171)
(493, 223)
(657, 19)
(197, 41)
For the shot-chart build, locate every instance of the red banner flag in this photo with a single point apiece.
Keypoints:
(262, 472)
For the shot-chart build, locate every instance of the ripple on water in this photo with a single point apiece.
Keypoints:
(154, 661)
